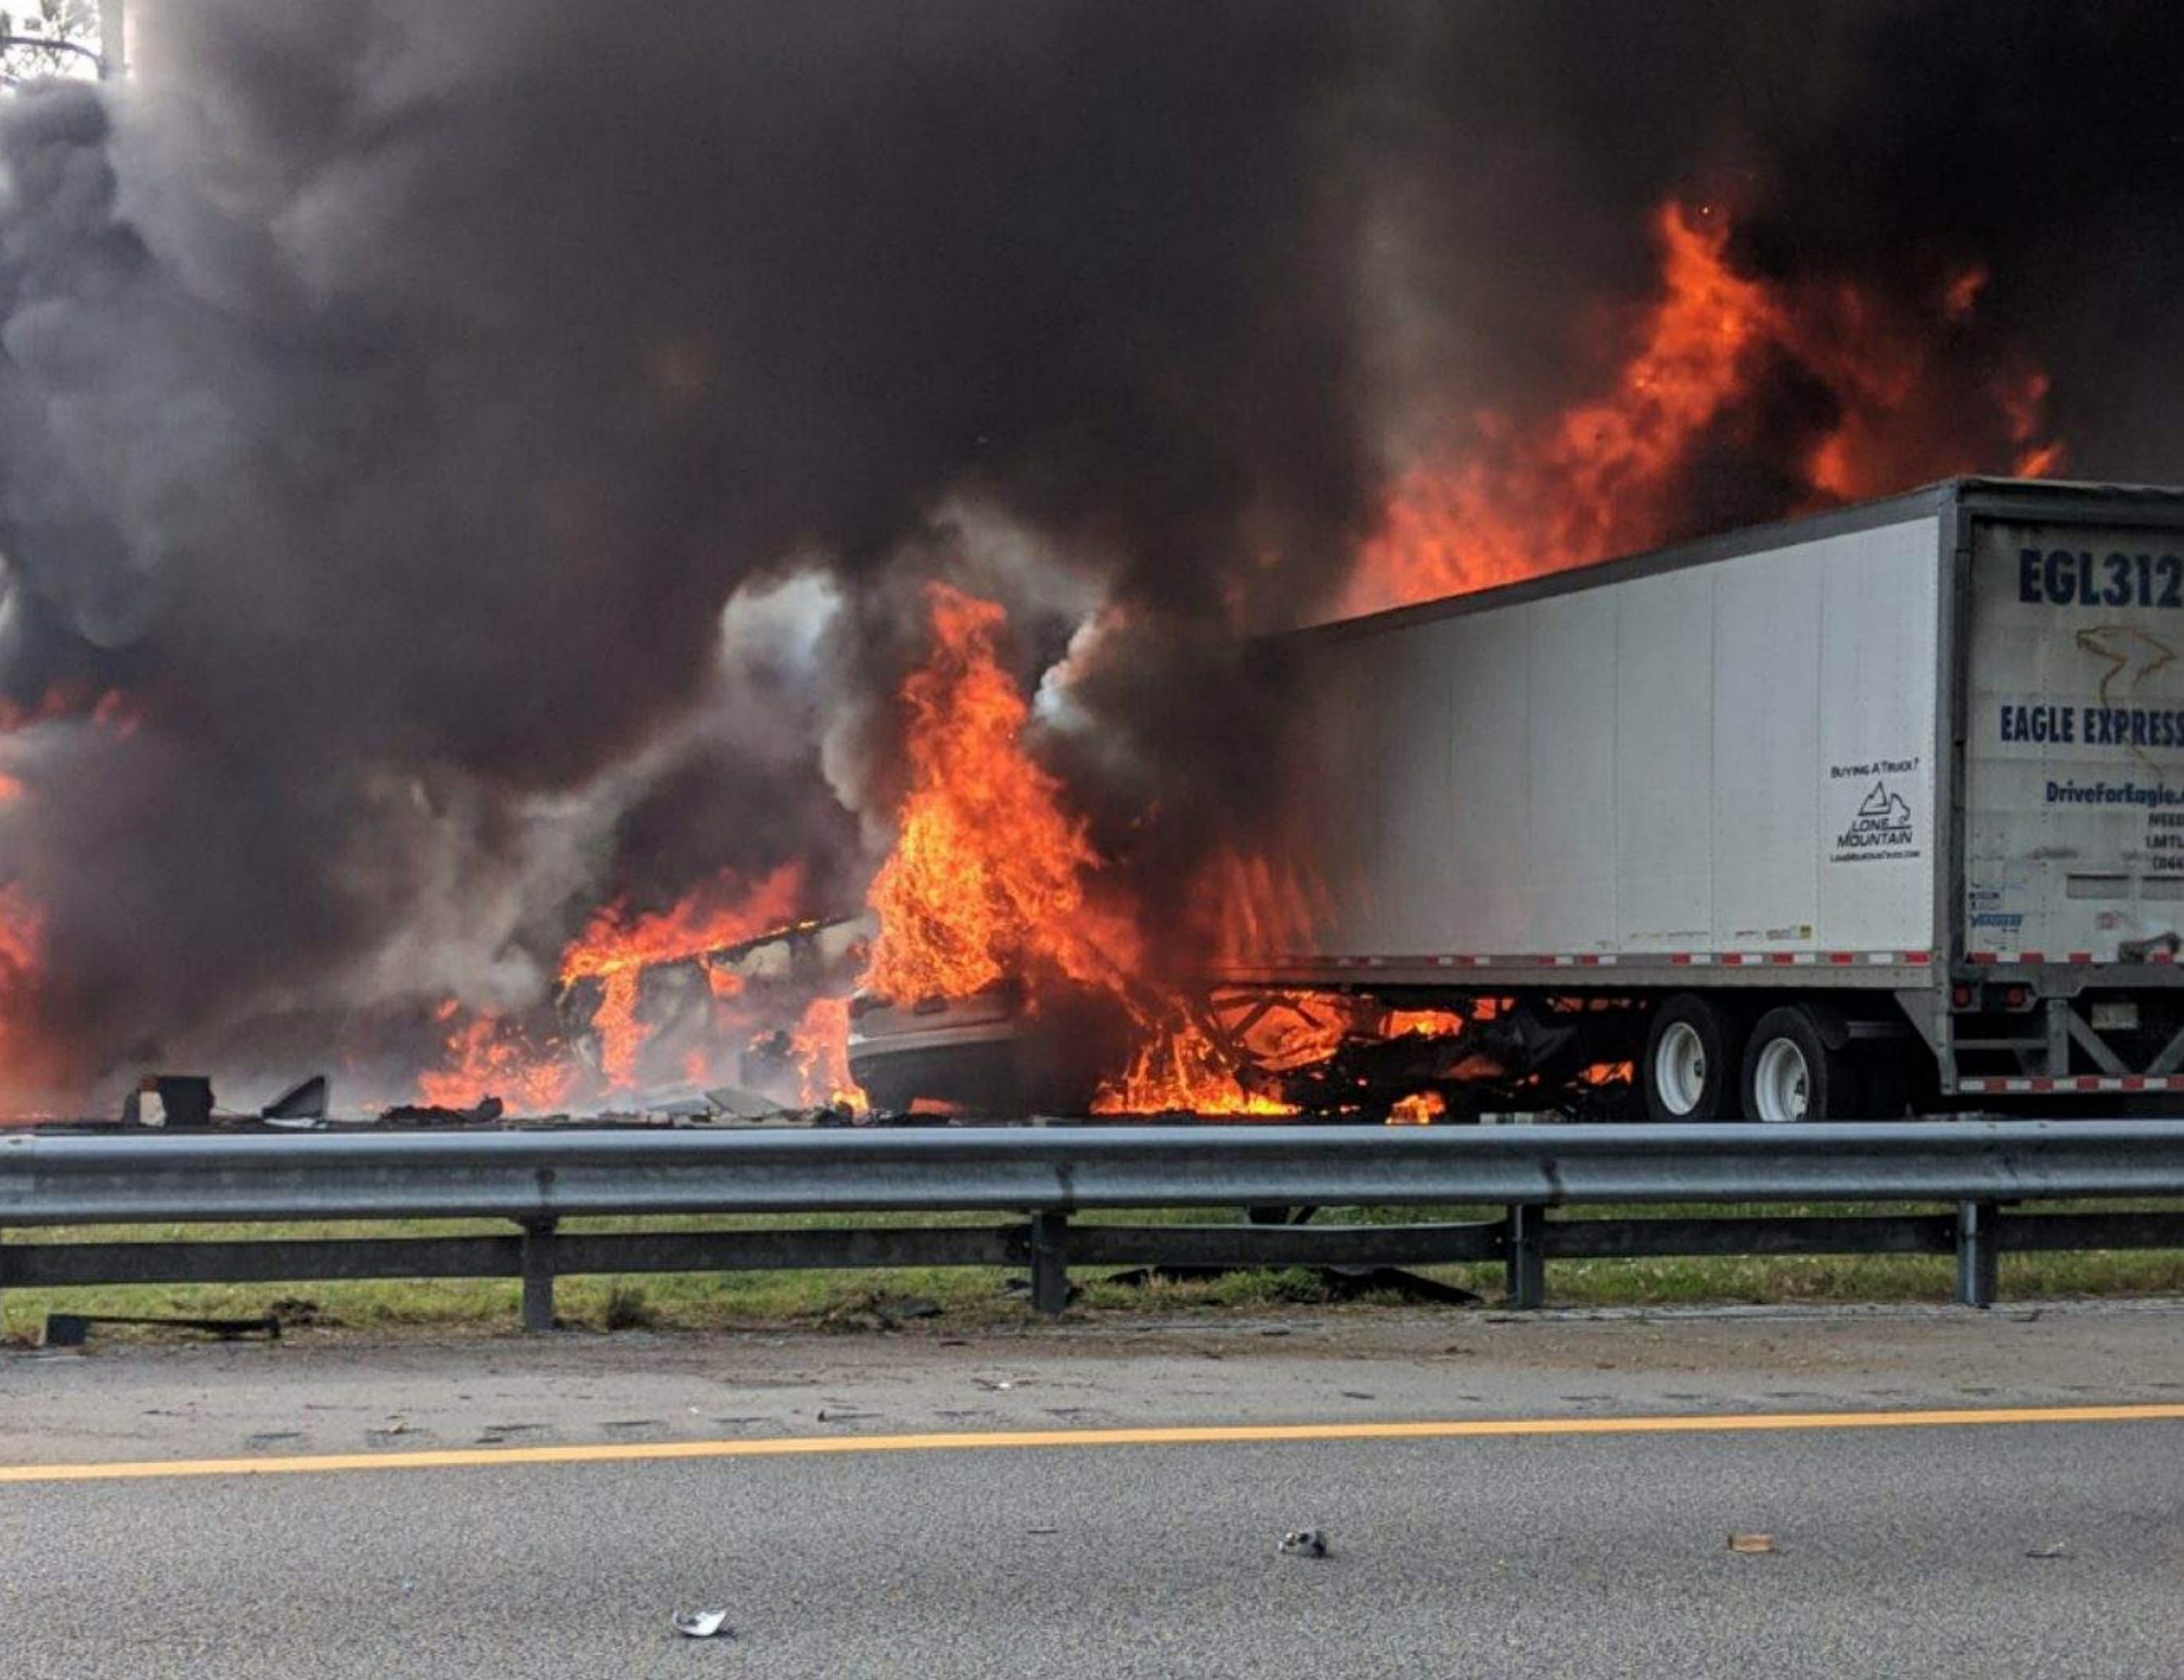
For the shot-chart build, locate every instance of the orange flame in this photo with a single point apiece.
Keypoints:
(21, 946)
(616, 948)
(1421, 1108)
(819, 1044)
(1422, 1023)
(486, 1056)
(988, 877)
(1177, 1068)
(109, 709)
(992, 876)
(1603, 477)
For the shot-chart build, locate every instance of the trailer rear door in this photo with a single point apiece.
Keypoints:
(2075, 743)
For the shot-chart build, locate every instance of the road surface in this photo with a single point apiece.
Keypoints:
(1534, 1528)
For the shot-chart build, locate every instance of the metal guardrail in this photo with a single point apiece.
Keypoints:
(1049, 1173)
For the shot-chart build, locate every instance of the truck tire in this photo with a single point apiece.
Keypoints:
(1791, 1074)
(1691, 1066)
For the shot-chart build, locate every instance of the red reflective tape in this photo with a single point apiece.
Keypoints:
(1782, 958)
(2079, 956)
(1839, 957)
(1679, 959)
(2032, 956)
(1982, 956)
(1918, 956)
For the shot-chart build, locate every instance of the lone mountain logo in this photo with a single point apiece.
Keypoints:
(1882, 826)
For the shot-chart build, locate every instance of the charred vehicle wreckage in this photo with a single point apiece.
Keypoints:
(1324, 1055)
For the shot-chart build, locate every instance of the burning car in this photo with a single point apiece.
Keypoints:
(991, 1053)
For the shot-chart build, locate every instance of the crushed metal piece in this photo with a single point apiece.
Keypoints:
(703, 1625)
(1751, 1543)
(299, 1102)
(1303, 1542)
(2053, 1548)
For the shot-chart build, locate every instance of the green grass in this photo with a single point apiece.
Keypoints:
(974, 1297)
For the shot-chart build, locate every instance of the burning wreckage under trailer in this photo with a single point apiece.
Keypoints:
(1317, 1054)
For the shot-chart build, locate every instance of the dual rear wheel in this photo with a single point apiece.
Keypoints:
(1705, 1063)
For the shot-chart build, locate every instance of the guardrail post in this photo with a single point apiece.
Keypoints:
(1049, 1262)
(538, 1273)
(1978, 1254)
(1527, 1260)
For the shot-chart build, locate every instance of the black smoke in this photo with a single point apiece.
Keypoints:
(395, 396)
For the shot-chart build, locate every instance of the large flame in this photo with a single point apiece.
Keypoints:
(993, 877)
(1605, 475)
(485, 1054)
(990, 877)
(617, 947)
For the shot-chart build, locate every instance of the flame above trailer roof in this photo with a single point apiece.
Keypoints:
(1621, 471)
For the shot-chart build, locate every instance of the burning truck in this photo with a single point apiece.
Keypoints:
(1872, 809)
(933, 576)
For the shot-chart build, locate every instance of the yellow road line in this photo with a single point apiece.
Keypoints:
(1216, 1434)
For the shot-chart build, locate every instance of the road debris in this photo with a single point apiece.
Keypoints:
(303, 1102)
(1302, 1543)
(484, 1112)
(298, 1311)
(1751, 1543)
(703, 1625)
(72, 1329)
(181, 1100)
(870, 1310)
(2053, 1548)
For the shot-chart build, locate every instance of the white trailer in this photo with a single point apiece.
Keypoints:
(1884, 804)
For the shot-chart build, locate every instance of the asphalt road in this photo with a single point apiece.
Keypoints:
(1897, 1550)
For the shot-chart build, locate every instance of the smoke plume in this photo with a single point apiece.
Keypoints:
(491, 450)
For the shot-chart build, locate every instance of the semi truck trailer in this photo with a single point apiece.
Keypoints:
(1879, 808)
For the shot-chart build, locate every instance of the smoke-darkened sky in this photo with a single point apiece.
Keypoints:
(393, 396)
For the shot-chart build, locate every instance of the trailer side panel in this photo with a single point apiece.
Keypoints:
(1730, 758)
